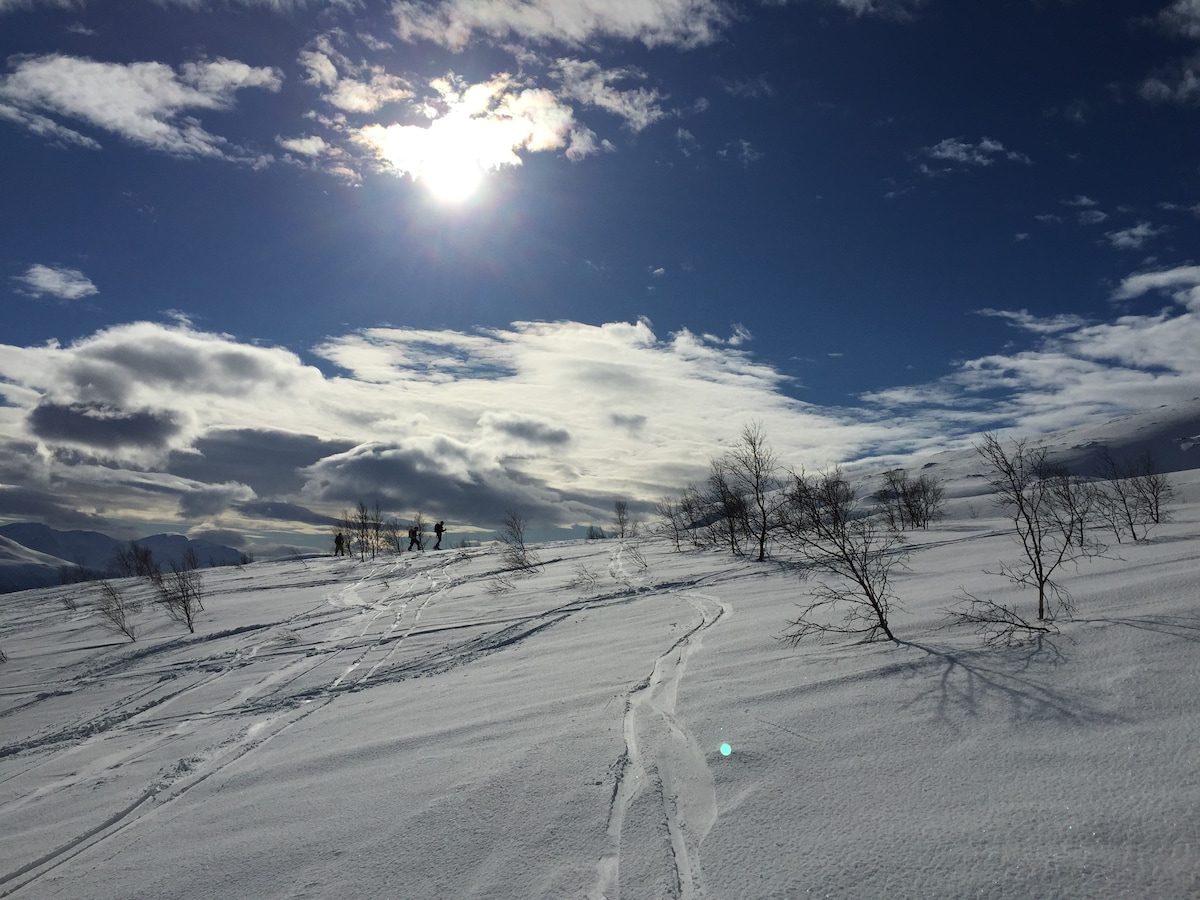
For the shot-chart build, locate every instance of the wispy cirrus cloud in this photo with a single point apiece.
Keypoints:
(1182, 17)
(146, 103)
(1134, 237)
(587, 82)
(952, 154)
(454, 23)
(354, 87)
(1076, 371)
(61, 282)
(894, 9)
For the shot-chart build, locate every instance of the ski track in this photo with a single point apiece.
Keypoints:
(663, 764)
(128, 721)
(659, 752)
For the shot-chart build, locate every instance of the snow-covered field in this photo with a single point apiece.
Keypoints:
(399, 729)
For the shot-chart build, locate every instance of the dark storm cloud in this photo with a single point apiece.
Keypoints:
(408, 480)
(634, 423)
(20, 504)
(97, 425)
(267, 461)
(283, 512)
(532, 432)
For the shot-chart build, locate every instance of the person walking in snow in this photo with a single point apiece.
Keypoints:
(414, 538)
(439, 529)
(339, 545)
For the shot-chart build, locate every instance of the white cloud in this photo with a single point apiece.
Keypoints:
(1036, 324)
(146, 103)
(349, 86)
(1180, 281)
(688, 145)
(962, 153)
(305, 146)
(1133, 238)
(587, 82)
(1182, 17)
(453, 23)
(530, 407)
(895, 9)
(55, 281)
(46, 128)
(741, 150)
(1177, 83)
(1077, 371)
(750, 88)
(478, 127)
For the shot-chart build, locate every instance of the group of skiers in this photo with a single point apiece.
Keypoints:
(341, 546)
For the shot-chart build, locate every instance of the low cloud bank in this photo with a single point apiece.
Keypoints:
(164, 423)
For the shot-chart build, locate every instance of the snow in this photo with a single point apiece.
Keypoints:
(402, 728)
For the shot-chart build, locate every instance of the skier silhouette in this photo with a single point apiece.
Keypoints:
(414, 538)
(339, 545)
(439, 529)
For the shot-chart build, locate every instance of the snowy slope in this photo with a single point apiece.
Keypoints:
(95, 552)
(412, 728)
(22, 568)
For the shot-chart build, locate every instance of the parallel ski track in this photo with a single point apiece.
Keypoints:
(282, 709)
(662, 758)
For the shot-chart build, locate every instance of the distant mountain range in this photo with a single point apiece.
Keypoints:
(33, 555)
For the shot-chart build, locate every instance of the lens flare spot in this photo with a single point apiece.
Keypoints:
(726, 749)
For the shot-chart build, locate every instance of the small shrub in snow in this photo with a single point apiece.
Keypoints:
(851, 555)
(115, 610)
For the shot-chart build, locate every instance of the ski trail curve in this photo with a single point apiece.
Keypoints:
(663, 760)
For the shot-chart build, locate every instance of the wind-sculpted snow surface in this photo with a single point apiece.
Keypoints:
(431, 726)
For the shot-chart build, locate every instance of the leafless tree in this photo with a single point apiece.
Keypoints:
(1046, 527)
(909, 503)
(852, 555)
(1133, 496)
(517, 552)
(726, 506)
(672, 521)
(752, 470)
(1079, 500)
(181, 591)
(392, 534)
(135, 561)
(696, 513)
(997, 624)
(115, 609)
(621, 518)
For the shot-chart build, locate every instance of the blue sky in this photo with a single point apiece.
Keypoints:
(263, 258)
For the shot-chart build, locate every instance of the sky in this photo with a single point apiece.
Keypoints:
(262, 259)
(400, 728)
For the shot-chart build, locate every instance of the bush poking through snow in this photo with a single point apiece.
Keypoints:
(852, 555)
(517, 553)
(181, 590)
(116, 610)
(1048, 527)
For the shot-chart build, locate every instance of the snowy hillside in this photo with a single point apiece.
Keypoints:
(413, 728)
(47, 552)
(22, 568)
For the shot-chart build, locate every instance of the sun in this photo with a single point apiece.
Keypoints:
(453, 178)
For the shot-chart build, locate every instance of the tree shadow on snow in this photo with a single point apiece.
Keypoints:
(982, 682)
(1186, 627)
